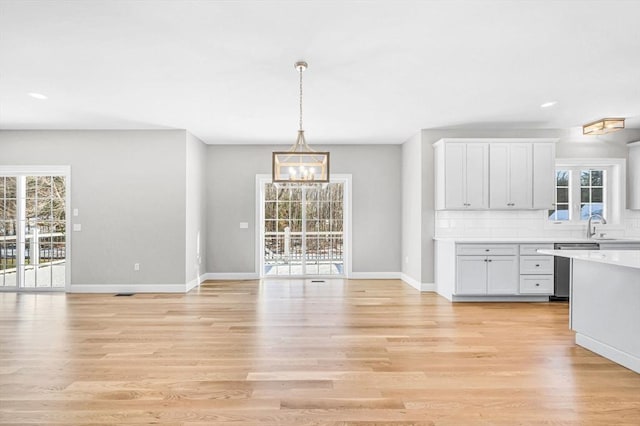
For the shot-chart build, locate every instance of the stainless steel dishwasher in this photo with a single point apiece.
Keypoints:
(562, 268)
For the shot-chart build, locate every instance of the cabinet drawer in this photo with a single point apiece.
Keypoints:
(536, 265)
(536, 284)
(531, 249)
(487, 249)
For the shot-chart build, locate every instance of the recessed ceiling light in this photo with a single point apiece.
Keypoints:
(548, 104)
(38, 96)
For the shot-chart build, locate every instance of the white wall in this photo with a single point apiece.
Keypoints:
(411, 258)
(129, 187)
(196, 210)
(376, 217)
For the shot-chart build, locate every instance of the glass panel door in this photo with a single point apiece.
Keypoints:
(303, 230)
(33, 232)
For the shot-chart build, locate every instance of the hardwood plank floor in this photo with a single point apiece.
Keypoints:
(351, 352)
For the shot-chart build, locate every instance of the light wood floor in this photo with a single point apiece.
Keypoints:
(289, 353)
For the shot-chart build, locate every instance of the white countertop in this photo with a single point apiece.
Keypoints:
(627, 258)
(524, 240)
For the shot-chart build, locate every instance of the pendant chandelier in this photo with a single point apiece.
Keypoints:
(300, 164)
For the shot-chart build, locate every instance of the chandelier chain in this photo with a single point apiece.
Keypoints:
(300, 69)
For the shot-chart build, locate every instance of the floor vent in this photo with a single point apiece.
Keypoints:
(125, 294)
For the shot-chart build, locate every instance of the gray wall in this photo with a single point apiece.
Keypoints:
(196, 208)
(129, 189)
(231, 199)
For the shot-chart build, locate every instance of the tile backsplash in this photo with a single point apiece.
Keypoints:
(522, 223)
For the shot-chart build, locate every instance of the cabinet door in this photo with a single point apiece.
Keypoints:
(502, 275)
(477, 176)
(544, 175)
(520, 176)
(471, 274)
(454, 175)
(499, 176)
(510, 176)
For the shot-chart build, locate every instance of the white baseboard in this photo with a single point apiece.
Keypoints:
(428, 287)
(374, 276)
(455, 298)
(127, 288)
(194, 283)
(609, 352)
(230, 276)
(417, 284)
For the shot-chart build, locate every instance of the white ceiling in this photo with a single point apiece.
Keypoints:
(378, 70)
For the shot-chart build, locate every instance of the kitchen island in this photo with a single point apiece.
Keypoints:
(605, 302)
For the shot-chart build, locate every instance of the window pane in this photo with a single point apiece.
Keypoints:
(270, 226)
(10, 187)
(596, 195)
(296, 226)
(562, 178)
(596, 177)
(584, 178)
(269, 210)
(270, 192)
(58, 187)
(283, 194)
(32, 184)
(563, 195)
(584, 195)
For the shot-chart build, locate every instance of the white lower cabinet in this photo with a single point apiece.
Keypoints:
(479, 275)
(536, 270)
(536, 284)
(503, 270)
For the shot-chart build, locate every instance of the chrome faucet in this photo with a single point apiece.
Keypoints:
(592, 231)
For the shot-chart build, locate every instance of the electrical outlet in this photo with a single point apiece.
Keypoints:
(136, 266)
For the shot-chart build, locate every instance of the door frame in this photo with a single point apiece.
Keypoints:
(44, 170)
(346, 180)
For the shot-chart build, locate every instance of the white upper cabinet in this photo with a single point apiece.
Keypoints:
(501, 174)
(462, 175)
(510, 175)
(633, 179)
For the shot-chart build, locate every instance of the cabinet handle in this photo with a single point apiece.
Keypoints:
(537, 266)
(537, 284)
(490, 260)
(487, 250)
(486, 260)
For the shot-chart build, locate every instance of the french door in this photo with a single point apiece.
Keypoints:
(33, 230)
(303, 229)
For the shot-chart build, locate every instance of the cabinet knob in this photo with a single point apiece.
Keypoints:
(537, 284)
(537, 266)
(489, 260)
(487, 250)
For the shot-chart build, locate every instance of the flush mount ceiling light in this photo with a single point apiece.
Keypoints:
(602, 126)
(300, 164)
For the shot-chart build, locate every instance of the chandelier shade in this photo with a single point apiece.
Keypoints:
(300, 164)
(605, 125)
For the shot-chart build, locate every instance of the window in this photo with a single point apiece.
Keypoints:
(587, 187)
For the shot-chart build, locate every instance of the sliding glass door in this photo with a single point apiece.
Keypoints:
(33, 231)
(303, 230)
